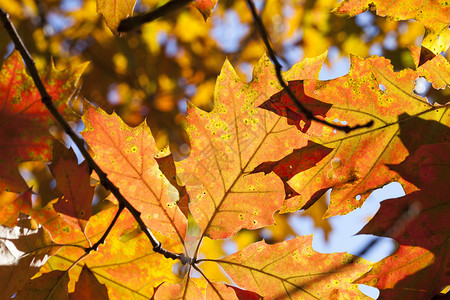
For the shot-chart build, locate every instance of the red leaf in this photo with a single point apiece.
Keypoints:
(283, 105)
(25, 120)
(204, 7)
(73, 181)
(419, 220)
(88, 287)
(243, 294)
(298, 161)
(49, 286)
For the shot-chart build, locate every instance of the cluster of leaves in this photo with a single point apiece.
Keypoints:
(253, 155)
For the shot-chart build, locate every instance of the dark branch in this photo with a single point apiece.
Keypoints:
(79, 142)
(133, 22)
(265, 37)
(105, 235)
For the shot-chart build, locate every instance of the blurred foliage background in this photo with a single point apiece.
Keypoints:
(149, 74)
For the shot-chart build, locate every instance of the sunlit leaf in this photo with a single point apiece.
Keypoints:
(25, 120)
(204, 7)
(126, 155)
(229, 142)
(281, 271)
(357, 166)
(129, 269)
(434, 15)
(417, 222)
(115, 11)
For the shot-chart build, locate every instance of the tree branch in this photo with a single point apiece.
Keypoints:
(265, 37)
(79, 142)
(130, 23)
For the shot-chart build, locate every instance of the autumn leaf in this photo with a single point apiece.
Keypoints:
(129, 269)
(115, 11)
(406, 274)
(357, 165)
(126, 155)
(282, 104)
(11, 205)
(244, 295)
(204, 7)
(421, 217)
(185, 290)
(434, 15)
(23, 251)
(229, 142)
(298, 161)
(280, 271)
(167, 167)
(437, 71)
(52, 286)
(88, 287)
(25, 120)
(73, 181)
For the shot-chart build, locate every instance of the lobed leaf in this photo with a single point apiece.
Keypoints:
(434, 15)
(418, 223)
(130, 269)
(357, 165)
(126, 155)
(292, 269)
(23, 251)
(25, 120)
(73, 181)
(229, 142)
(88, 287)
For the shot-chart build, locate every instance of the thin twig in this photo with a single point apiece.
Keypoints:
(309, 115)
(133, 22)
(79, 142)
(106, 233)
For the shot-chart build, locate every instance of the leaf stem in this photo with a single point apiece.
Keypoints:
(130, 23)
(271, 52)
(80, 143)
(105, 235)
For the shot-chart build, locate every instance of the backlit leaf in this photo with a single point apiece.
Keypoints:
(115, 11)
(204, 7)
(130, 269)
(186, 290)
(126, 155)
(25, 120)
(229, 142)
(88, 287)
(357, 166)
(417, 222)
(73, 181)
(434, 15)
(282, 104)
(281, 271)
